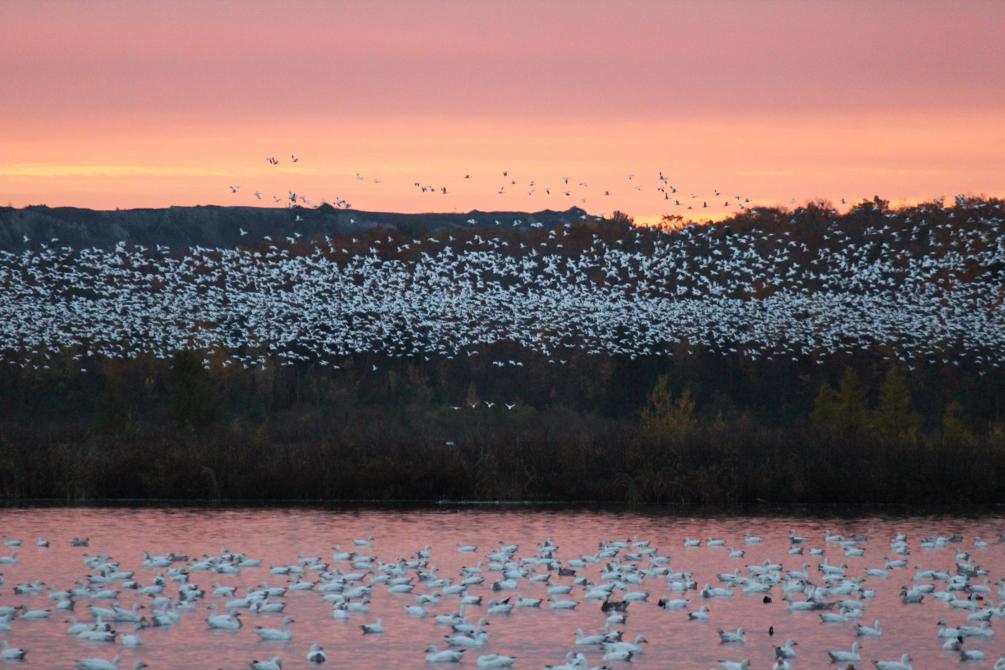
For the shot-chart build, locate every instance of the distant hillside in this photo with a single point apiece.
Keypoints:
(213, 226)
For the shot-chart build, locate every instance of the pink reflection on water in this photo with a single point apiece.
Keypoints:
(537, 637)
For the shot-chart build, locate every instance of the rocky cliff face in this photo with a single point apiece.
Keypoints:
(211, 226)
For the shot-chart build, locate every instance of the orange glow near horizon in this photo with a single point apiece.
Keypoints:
(120, 105)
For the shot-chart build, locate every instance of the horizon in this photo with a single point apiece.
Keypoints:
(145, 105)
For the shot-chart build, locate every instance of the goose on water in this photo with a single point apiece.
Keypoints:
(735, 637)
(10, 653)
(572, 662)
(275, 663)
(735, 665)
(841, 656)
(283, 634)
(868, 631)
(132, 639)
(373, 628)
(586, 640)
(786, 651)
(316, 654)
(614, 655)
(903, 664)
(231, 621)
(105, 664)
(700, 615)
(495, 661)
(443, 656)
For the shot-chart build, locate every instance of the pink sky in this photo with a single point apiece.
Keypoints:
(126, 104)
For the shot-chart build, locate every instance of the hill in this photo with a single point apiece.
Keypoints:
(220, 227)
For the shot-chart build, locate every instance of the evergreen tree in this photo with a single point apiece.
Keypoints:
(894, 418)
(851, 405)
(825, 409)
(955, 431)
(665, 417)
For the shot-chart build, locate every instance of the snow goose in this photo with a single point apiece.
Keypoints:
(867, 631)
(700, 615)
(444, 656)
(284, 634)
(105, 664)
(732, 637)
(373, 628)
(735, 665)
(903, 664)
(786, 651)
(275, 663)
(852, 656)
(9, 653)
(316, 654)
(230, 621)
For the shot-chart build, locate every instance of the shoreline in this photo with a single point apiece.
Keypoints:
(837, 509)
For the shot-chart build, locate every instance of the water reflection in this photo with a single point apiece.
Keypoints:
(536, 636)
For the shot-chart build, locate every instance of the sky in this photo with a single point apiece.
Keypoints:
(136, 103)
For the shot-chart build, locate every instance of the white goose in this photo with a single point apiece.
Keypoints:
(572, 662)
(852, 656)
(229, 621)
(589, 640)
(132, 639)
(700, 615)
(10, 653)
(614, 655)
(495, 661)
(105, 664)
(444, 656)
(634, 647)
(903, 664)
(284, 634)
(786, 651)
(316, 654)
(477, 639)
(735, 665)
(867, 631)
(275, 663)
(373, 628)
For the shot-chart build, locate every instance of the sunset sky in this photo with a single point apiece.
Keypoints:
(139, 103)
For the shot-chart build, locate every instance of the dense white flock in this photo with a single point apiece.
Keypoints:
(920, 291)
(121, 604)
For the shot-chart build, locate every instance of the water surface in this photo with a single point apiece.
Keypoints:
(536, 637)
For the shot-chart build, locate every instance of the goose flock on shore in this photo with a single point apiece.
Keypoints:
(112, 605)
(921, 291)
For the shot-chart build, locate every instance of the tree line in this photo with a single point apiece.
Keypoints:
(698, 430)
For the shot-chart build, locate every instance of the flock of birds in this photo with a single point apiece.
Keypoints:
(507, 182)
(923, 290)
(621, 579)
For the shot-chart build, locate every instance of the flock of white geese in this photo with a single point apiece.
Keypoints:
(924, 291)
(506, 182)
(621, 579)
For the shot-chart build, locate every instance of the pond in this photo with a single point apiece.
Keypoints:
(637, 553)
